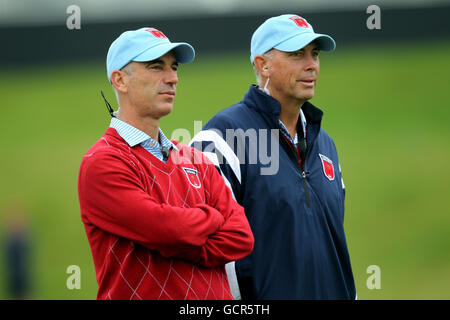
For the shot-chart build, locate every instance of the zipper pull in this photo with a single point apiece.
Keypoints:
(305, 185)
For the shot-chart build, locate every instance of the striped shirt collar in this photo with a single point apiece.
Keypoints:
(134, 136)
(285, 131)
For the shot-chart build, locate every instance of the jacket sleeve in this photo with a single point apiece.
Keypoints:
(113, 198)
(224, 151)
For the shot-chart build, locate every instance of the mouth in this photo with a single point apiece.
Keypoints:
(169, 93)
(308, 82)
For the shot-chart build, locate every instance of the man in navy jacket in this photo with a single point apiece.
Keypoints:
(283, 168)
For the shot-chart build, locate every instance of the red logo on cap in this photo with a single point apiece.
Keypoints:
(299, 21)
(156, 33)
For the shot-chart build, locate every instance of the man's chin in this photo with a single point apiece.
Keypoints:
(165, 110)
(158, 112)
(307, 96)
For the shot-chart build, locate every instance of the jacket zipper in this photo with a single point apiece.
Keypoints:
(304, 173)
(305, 185)
(302, 167)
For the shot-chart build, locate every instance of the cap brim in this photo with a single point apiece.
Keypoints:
(324, 42)
(184, 52)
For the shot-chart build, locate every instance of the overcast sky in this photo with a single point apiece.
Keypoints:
(53, 12)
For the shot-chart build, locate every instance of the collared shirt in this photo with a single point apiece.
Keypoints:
(285, 131)
(134, 136)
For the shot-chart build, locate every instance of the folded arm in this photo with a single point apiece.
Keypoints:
(113, 198)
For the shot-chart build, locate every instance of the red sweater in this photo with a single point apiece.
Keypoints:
(159, 230)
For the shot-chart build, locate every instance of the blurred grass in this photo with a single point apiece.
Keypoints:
(386, 106)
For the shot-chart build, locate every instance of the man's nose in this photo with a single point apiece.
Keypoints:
(312, 63)
(171, 77)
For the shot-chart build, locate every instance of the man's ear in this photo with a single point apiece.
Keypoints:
(120, 79)
(262, 64)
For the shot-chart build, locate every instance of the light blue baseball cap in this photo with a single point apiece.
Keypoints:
(142, 45)
(288, 32)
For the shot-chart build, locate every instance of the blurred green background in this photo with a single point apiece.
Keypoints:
(384, 93)
(386, 106)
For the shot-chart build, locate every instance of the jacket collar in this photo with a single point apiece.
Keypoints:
(271, 108)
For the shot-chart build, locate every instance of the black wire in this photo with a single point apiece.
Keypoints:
(108, 106)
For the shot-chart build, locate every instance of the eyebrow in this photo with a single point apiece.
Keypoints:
(316, 47)
(159, 61)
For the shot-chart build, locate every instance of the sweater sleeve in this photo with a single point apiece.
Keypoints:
(112, 198)
(234, 239)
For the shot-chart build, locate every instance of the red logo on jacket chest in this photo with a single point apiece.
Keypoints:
(192, 176)
(327, 165)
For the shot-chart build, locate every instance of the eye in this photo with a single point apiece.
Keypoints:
(175, 68)
(315, 53)
(154, 66)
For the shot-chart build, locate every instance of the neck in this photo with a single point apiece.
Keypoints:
(148, 125)
(289, 115)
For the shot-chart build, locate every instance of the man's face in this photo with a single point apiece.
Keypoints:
(293, 75)
(152, 86)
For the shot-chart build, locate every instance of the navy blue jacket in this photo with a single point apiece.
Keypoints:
(295, 208)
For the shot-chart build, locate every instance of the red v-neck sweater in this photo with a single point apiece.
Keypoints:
(159, 230)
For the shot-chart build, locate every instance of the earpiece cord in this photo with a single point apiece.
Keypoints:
(108, 106)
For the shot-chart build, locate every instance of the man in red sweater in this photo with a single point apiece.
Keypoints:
(160, 221)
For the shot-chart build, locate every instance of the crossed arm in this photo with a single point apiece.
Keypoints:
(210, 234)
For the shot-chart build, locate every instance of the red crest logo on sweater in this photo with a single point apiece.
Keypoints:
(192, 176)
(328, 168)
